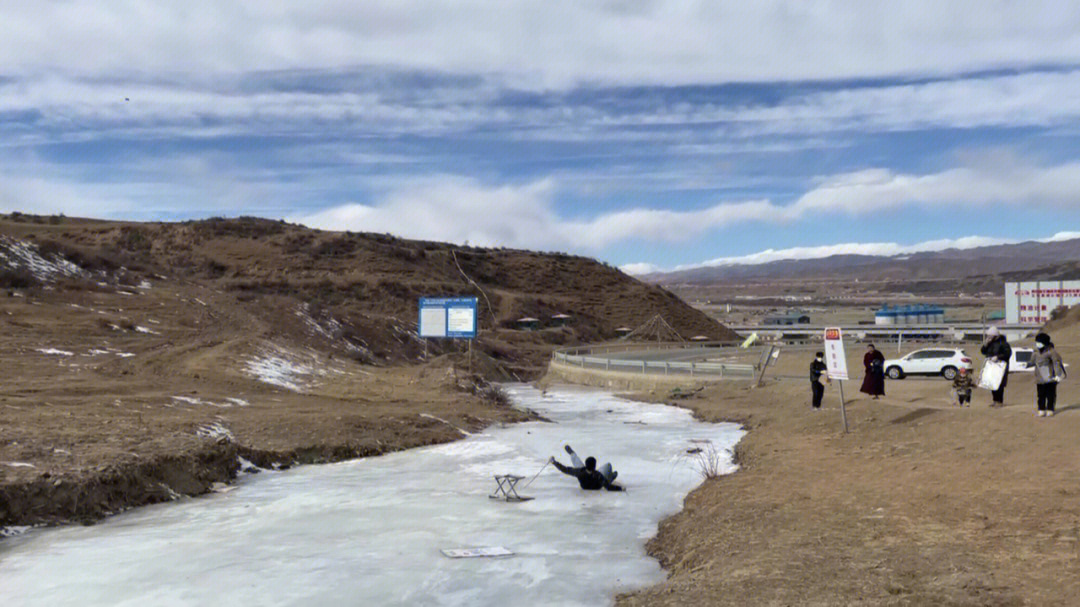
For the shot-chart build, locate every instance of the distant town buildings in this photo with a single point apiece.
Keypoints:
(1034, 302)
(918, 314)
(791, 318)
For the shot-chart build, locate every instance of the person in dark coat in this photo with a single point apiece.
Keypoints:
(874, 381)
(1049, 370)
(818, 371)
(588, 476)
(997, 348)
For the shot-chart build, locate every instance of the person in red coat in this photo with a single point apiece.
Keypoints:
(874, 363)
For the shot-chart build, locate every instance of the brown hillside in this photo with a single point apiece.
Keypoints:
(147, 361)
(366, 285)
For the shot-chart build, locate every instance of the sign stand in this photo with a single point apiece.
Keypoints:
(843, 405)
(836, 364)
(448, 318)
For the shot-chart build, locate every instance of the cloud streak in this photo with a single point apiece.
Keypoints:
(542, 42)
(887, 249)
(69, 107)
(458, 210)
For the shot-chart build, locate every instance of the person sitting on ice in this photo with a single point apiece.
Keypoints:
(586, 473)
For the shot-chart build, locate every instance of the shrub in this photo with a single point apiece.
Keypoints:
(17, 278)
(707, 460)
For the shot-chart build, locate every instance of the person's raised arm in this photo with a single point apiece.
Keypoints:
(560, 467)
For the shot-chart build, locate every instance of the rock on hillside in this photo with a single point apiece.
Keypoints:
(359, 291)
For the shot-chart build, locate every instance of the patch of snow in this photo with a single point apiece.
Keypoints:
(146, 330)
(125, 354)
(14, 530)
(329, 328)
(246, 467)
(20, 254)
(96, 352)
(54, 351)
(173, 495)
(145, 284)
(215, 431)
(124, 293)
(200, 302)
(191, 400)
(239, 402)
(287, 369)
(439, 419)
(20, 465)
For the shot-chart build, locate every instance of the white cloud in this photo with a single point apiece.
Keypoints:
(852, 248)
(44, 196)
(1060, 236)
(459, 210)
(638, 269)
(455, 210)
(542, 42)
(70, 107)
(847, 248)
(1007, 180)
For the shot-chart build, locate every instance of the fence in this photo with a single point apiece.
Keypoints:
(590, 357)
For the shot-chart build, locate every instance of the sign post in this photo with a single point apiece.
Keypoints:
(836, 363)
(448, 318)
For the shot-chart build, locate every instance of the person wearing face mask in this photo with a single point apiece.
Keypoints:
(998, 349)
(818, 370)
(1049, 370)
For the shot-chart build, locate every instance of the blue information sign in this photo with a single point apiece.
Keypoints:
(453, 317)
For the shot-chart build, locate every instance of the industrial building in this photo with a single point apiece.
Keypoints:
(1034, 302)
(918, 314)
(791, 318)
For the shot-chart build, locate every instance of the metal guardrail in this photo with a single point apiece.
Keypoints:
(590, 357)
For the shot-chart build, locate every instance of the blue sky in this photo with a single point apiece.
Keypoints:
(644, 133)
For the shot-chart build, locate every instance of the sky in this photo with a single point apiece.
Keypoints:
(651, 135)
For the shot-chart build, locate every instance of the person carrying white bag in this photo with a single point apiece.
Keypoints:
(996, 350)
(1049, 371)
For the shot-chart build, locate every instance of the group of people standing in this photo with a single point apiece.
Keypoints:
(1046, 363)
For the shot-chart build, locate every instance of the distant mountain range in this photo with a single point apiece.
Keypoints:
(1022, 261)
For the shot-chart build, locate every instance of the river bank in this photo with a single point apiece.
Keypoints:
(69, 457)
(921, 504)
(373, 530)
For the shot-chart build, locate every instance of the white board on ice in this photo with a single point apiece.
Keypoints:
(472, 553)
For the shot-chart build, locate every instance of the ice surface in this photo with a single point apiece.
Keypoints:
(371, 531)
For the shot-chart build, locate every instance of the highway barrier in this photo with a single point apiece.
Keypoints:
(595, 357)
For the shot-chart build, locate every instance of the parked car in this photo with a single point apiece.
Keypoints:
(932, 361)
(1018, 363)
(1019, 360)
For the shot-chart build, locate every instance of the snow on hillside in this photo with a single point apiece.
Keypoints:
(17, 254)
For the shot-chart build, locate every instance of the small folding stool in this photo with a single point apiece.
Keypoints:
(506, 488)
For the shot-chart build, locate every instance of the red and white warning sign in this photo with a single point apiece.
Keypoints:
(835, 359)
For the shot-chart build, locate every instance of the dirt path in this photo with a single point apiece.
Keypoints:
(922, 504)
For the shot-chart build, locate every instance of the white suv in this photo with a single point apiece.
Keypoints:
(1020, 359)
(931, 361)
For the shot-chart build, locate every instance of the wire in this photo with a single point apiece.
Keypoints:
(546, 464)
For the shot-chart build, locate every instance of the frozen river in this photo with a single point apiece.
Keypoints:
(370, 532)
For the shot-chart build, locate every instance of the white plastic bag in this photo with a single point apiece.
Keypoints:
(992, 375)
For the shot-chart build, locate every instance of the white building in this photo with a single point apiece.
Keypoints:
(1033, 302)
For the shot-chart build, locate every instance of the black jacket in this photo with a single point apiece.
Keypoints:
(817, 367)
(590, 480)
(999, 348)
